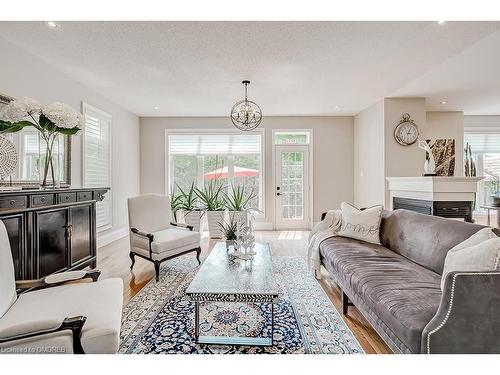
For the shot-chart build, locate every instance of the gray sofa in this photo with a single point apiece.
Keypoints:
(396, 286)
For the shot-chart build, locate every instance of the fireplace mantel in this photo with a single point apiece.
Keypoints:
(433, 188)
(441, 196)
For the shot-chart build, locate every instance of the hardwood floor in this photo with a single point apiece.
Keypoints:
(114, 261)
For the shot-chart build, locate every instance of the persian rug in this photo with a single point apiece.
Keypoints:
(160, 318)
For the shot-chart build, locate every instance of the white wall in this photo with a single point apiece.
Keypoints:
(22, 74)
(332, 145)
(482, 121)
(369, 180)
(377, 155)
(441, 125)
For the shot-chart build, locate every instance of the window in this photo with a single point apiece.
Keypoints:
(31, 151)
(291, 138)
(235, 159)
(485, 147)
(97, 159)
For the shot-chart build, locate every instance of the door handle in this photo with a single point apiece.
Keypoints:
(278, 194)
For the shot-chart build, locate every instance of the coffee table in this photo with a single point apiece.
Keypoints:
(221, 279)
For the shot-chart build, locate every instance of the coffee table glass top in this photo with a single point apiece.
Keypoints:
(219, 275)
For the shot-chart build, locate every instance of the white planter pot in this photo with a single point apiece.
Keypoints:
(240, 217)
(193, 218)
(214, 218)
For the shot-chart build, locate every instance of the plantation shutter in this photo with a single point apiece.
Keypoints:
(482, 142)
(214, 144)
(97, 159)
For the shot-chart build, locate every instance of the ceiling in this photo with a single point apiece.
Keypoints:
(296, 68)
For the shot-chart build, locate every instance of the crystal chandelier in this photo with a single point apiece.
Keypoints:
(245, 114)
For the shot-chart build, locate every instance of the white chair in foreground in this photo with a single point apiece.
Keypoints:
(51, 317)
(152, 234)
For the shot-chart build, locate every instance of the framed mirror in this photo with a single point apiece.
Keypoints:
(30, 152)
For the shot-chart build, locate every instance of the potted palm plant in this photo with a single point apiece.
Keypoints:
(237, 203)
(189, 206)
(229, 231)
(211, 198)
(175, 204)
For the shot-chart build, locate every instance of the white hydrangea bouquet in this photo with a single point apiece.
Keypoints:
(50, 120)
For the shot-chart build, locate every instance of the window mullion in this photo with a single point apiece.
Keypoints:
(230, 169)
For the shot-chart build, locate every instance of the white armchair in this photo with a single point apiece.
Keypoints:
(152, 234)
(51, 316)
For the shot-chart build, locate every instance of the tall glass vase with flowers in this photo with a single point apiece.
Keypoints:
(50, 121)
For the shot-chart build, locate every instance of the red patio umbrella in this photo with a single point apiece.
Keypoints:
(224, 173)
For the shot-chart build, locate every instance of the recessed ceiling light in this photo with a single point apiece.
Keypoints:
(443, 102)
(156, 107)
(337, 106)
(441, 22)
(52, 24)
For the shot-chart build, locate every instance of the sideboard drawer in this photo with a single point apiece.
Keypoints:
(9, 203)
(84, 196)
(66, 198)
(41, 200)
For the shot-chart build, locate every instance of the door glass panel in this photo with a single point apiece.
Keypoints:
(292, 184)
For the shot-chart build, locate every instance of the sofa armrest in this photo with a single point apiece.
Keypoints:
(467, 318)
(40, 328)
(57, 279)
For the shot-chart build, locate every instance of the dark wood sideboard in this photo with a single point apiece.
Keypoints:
(51, 230)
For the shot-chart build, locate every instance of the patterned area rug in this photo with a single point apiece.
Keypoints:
(160, 319)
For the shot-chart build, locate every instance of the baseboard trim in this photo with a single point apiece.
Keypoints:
(263, 225)
(107, 237)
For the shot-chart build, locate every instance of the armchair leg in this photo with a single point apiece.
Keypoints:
(198, 253)
(157, 270)
(132, 257)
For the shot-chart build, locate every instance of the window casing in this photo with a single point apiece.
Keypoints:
(485, 147)
(97, 159)
(233, 158)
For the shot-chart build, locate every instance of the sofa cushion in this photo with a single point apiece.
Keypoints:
(404, 295)
(422, 238)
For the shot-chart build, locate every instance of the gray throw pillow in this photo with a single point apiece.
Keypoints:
(473, 254)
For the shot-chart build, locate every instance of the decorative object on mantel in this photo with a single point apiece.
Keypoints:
(443, 151)
(406, 131)
(429, 164)
(50, 121)
(246, 114)
(469, 163)
(8, 160)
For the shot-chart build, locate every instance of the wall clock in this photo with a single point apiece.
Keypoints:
(406, 132)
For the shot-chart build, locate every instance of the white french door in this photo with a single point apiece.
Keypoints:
(291, 194)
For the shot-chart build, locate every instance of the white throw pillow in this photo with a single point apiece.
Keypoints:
(474, 255)
(477, 238)
(359, 224)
